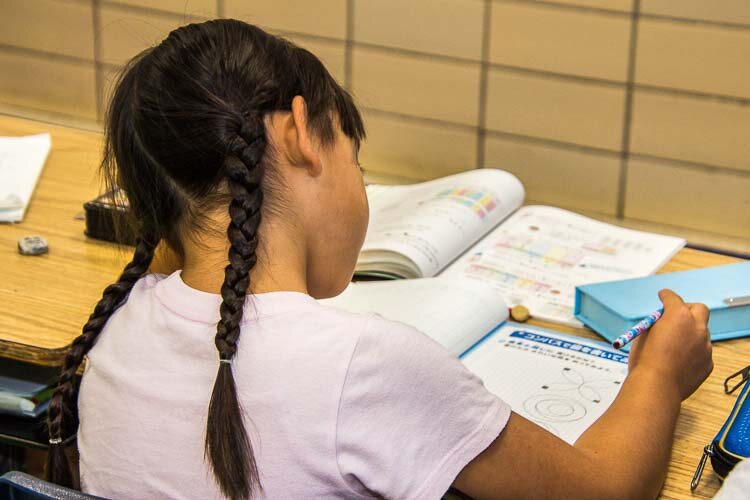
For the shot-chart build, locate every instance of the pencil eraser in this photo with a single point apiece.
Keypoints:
(519, 313)
(32, 245)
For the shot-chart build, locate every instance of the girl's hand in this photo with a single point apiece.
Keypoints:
(678, 346)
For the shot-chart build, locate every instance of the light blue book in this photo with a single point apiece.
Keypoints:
(613, 307)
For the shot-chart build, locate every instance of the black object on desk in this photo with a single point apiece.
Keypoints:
(107, 218)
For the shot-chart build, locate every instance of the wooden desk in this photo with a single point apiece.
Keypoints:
(45, 300)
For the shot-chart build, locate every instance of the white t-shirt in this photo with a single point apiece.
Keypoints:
(336, 404)
(737, 484)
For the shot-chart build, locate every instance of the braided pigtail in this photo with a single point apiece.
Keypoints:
(227, 444)
(62, 416)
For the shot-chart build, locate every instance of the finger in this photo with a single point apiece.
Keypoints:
(670, 299)
(635, 350)
(636, 345)
(700, 312)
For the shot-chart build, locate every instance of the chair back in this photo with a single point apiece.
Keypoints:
(16, 485)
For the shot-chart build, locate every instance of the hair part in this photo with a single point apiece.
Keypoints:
(185, 136)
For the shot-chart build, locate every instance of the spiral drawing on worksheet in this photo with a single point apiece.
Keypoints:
(566, 400)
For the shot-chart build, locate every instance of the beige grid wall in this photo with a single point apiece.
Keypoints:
(637, 109)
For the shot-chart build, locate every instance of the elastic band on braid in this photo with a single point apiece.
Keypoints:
(227, 444)
(62, 417)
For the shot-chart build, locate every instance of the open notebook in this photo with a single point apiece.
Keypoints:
(562, 383)
(472, 225)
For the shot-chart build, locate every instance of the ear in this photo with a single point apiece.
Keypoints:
(301, 150)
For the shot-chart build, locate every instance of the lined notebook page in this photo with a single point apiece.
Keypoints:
(562, 383)
(456, 313)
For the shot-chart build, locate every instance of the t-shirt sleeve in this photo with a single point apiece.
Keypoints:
(411, 416)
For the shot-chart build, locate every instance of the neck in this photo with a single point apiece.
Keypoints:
(281, 261)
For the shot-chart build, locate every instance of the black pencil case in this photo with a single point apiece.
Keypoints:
(107, 218)
(732, 443)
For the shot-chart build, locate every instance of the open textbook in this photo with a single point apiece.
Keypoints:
(472, 225)
(562, 383)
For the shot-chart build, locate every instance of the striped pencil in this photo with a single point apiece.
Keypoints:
(638, 329)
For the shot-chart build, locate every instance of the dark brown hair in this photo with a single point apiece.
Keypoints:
(184, 135)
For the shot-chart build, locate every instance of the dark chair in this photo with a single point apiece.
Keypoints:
(21, 486)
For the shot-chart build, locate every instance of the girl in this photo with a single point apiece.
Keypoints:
(238, 151)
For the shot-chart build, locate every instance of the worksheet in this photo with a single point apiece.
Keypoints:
(560, 382)
(21, 162)
(540, 254)
(416, 230)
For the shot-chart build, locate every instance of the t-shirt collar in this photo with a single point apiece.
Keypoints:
(197, 305)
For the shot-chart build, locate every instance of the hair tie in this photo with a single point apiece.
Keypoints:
(227, 361)
(55, 441)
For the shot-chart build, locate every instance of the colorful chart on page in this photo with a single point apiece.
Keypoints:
(539, 255)
(481, 202)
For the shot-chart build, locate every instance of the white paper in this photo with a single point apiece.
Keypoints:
(432, 223)
(562, 383)
(21, 162)
(540, 254)
(455, 313)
